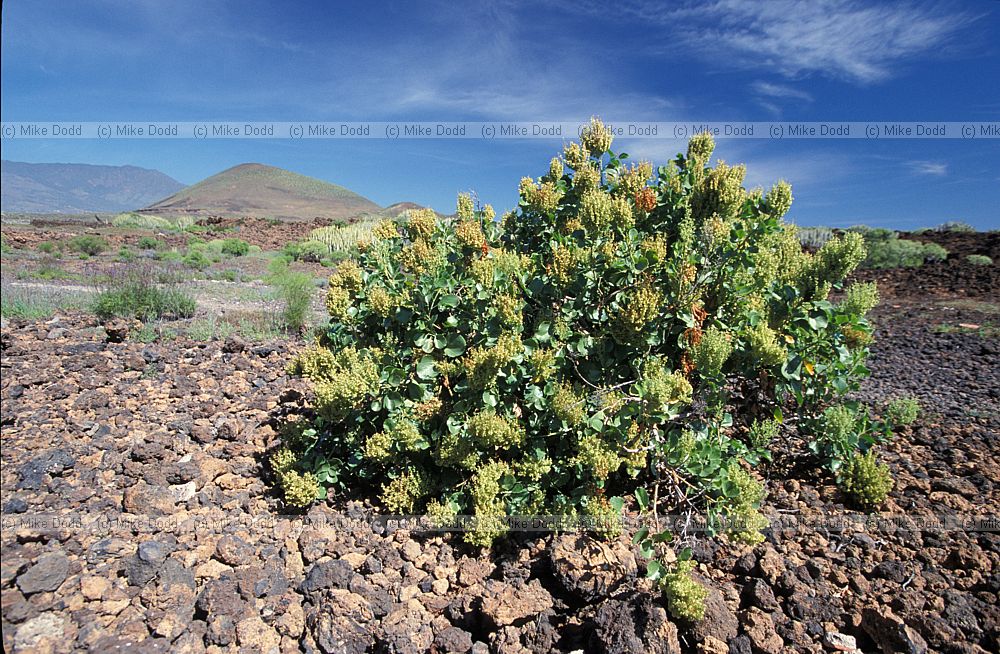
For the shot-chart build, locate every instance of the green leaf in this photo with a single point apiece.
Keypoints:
(684, 554)
(642, 498)
(425, 368)
(456, 346)
(640, 535)
(448, 301)
(617, 503)
(654, 570)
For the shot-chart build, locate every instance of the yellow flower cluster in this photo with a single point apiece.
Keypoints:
(401, 494)
(490, 430)
(464, 207)
(764, 345)
(587, 178)
(300, 490)
(406, 434)
(568, 405)
(645, 200)
(424, 411)
(533, 469)
(596, 137)
(860, 298)
(482, 364)
(833, 262)
(421, 257)
(378, 447)
(421, 223)
(487, 506)
(508, 309)
(721, 192)
(663, 389)
(639, 307)
(350, 379)
(597, 456)
(779, 199)
(543, 364)
(385, 230)
(544, 198)
(855, 337)
(866, 480)
(762, 432)
(458, 451)
(712, 351)
(606, 520)
(622, 216)
(596, 211)
(655, 245)
(470, 234)
(700, 149)
(314, 363)
(576, 156)
(381, 302)
(564, 261)
(685, 596)
(555, 169)
(338, 301)
(634, 178)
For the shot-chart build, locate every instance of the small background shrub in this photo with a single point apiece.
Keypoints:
(131, 292)
(87, 244)
(979, 260)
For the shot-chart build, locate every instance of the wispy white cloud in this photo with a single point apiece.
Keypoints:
(934, 168)
(844, 39)
(781, 91)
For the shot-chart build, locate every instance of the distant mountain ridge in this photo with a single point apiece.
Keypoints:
(79, 188)
(254, 189)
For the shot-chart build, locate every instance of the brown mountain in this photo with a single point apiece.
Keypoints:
(261, 191)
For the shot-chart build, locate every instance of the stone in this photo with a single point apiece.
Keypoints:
(47, 626)
(234, 344)
(233, 550)
(759, 628)
(410, 550)
(339, 624)
(256, 636)
(453, 640)
(335, 573)
(757, 593)
(220, 597)
(47, 574)
(505, 604)
(634, 625)
(94, 587)
(142, 566)
(719, 622)
(406, 630)
(116, 330)
(589, 568)
(839, 642)
(890, 632)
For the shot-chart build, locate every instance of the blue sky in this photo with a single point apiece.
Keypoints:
(628, 60)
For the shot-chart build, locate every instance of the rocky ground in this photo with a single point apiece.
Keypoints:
(165, 442)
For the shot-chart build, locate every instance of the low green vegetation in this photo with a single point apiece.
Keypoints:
(887, 250)
(132, 220)
(979, 260)
(294, 290)
(34, 303)
(133, 293)
(87, 244)
(150, 243)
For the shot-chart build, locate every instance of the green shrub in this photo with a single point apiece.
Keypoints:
(170, 256)
(196, 260)
(87, 244)
(4, 245)
(48, 247)
(903, 411)
(584, 346)
(979, 260)
(955, 226)
(685, 596)
(149, 243)
(125, 254)
(865, 480)
(132, 293)
(294, 290)
(235, 247)
(901, 253)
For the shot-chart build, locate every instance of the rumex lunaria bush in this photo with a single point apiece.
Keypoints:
(624, 325)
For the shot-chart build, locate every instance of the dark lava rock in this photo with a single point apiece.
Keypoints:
(47, 574)
(719, 622)
(146, 562)
(220, 597)
(453, 641)
(894, 571)
(634, 626)
(15, 505)
(234, 345)
(327, 574)
(758, 593)
(32, 474)
(890, 632)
